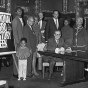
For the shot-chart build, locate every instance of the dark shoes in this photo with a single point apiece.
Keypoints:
(15, 76)
(40, 71)
(30, 76)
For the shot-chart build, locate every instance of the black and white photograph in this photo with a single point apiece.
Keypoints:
(43, 43)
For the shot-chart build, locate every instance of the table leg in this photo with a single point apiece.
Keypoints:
(73, 71)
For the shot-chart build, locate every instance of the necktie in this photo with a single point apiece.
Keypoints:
(32, 30)
(57, 23)
(57, 41)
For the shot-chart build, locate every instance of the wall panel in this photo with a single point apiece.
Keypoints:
(50, 5)
(70, 5)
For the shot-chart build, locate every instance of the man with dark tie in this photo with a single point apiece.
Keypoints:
(54, 43)
(29, 34)
(42, 25)
(52, 25)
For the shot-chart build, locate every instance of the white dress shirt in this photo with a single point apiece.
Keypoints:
(40, 23)
(56, 22)
(57, 41)
(21, 21)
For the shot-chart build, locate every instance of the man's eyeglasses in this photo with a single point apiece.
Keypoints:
(31, 20)
(57, 34)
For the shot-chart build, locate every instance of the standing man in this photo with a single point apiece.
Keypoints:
(17, 26)
(29, 34)
(53, 24)
(36, 28)
(42, 25)
(41, 36)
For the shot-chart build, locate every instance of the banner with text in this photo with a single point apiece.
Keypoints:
(6, 36)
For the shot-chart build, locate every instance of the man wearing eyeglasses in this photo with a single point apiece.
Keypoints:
(55, 44)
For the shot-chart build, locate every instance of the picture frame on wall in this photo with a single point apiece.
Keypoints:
(2, 3)
(24, 8)
(71, 6)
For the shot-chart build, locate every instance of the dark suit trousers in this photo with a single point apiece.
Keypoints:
(29, 65)
(51, 61)
(15, 64)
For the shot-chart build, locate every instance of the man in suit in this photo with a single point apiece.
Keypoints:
(29, 34)
(39, 28)
(42, 25)
(52, 25)
(17, 26)
(36, 28)
(52, 44)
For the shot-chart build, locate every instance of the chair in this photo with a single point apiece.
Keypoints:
(47, 64)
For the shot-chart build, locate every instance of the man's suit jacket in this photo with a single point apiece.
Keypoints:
(43, 25)
(29, 34)
(51, 28)
(17, 29)
(52, 45)
(36, 29)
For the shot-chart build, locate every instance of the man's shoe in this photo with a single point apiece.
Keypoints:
(16, 76)
(40, 71)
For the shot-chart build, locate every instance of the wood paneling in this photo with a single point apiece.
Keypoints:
(50, 5)
(70, 5)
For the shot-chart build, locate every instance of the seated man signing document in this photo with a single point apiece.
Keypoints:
(58, 46)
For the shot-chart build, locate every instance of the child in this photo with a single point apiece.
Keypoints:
(22, 53)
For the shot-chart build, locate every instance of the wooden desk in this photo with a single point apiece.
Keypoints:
(73, 69)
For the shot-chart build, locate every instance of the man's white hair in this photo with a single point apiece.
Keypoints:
(80, 19)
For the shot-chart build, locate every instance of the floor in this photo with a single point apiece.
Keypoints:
(37, 81)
